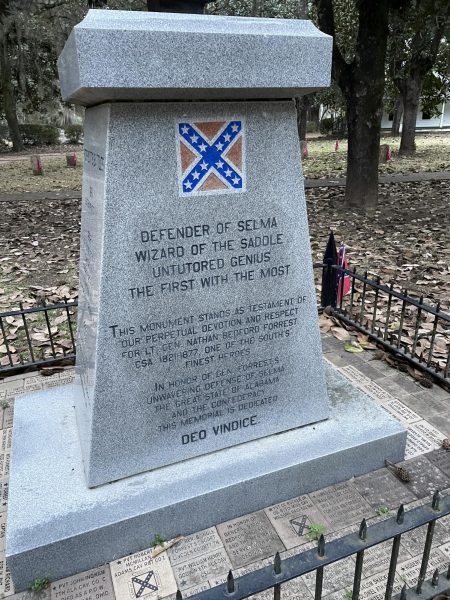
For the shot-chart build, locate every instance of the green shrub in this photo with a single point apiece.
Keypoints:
(73, 133)
(39, 135)
(326, 125)
(311, 127)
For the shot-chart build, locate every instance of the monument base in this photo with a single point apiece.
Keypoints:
(57, 526)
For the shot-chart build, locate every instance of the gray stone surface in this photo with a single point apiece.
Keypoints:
(381, 488)
(342, 505)
(291, 519)
(185, 57)
(91, 585)
(67, 528)
(195, 571)
(195, 545)
(425, 477)
(440, 458)
(231, 354)
(249, 538)
(130, 573)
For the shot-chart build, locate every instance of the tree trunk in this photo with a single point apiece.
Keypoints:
(362, 83)
(362, 154)
(302, 105)
(302, 9)
(398, 113)
(256, 8)
(364, 95)
(7, 90)
(411, 99)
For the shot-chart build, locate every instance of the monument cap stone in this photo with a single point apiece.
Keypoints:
(132, 55)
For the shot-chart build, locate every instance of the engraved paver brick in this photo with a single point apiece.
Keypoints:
(249, 538)
(196, 590)
(337, 576)
(8, 414)
(440, 458)
(425, 477)
(6, 584)
(139, 573)
(291, 519)
(414, 541)
(419, 440)
(372, 588)
(292, 590)
(198, 544)
(90, 585)
(196, 571)
(342, 505)
(409, 570)
(4, 490)
(381, 488)
(401, 411)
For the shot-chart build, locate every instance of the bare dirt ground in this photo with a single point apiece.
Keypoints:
(406, 240)
(433, 154)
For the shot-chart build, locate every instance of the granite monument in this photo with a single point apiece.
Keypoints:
(201, 390)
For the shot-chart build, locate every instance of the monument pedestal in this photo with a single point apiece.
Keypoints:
(57, 526)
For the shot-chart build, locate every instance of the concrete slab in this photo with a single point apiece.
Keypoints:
(58, 526)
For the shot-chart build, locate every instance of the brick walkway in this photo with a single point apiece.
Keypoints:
(204, 559)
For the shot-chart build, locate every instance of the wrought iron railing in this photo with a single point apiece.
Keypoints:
(405, 326)
(354, 544)
(37, 336)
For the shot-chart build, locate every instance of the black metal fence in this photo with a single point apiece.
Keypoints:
(37, 337)
(405, 326)
(355, 544)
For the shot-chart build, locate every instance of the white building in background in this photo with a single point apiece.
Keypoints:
(424, 121)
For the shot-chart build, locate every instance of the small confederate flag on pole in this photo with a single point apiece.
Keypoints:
(343, 280)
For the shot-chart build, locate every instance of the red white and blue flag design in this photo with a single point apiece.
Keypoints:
(343, 280)
(211, 157)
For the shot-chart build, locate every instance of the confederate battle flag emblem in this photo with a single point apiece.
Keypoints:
(211, 157)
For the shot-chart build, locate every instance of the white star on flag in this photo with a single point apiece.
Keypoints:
(204, 165)
(202, 148)
(227, 137)
(185, 129)
(219, 164)
(236, 180)
(196, 175)
(234, 128)
(228, 173)
(194, 138)
(219, 146)
(188, 185)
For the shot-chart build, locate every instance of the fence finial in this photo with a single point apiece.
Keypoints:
(230, 583)
(277, 564)
(436, 500)
(363, 530)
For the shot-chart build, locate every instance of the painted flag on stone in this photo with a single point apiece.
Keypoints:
(343, 281)
(211, 157)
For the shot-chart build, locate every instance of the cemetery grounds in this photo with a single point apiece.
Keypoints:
(405, 240)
